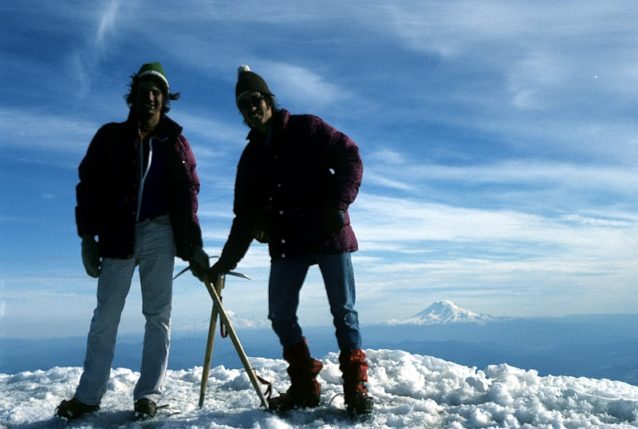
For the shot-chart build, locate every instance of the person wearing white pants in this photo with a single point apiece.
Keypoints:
(155, 256)
(137, 203)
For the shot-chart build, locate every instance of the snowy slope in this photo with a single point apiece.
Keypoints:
(412, 391)
(443, 313)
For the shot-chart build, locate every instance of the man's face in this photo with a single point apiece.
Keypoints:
(149, 99)
(256, 111)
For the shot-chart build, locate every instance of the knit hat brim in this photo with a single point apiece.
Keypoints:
(249, 81)
(153, 70)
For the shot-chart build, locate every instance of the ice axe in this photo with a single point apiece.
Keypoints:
(218, 310)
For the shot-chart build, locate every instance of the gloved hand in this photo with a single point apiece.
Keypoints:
(199, 263)
(332, 220)
(91, 257)
(262, 236)
(215, 271)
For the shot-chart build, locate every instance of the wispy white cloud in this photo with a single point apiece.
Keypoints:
(526, 172)
(385, 182)
(54, 131)
(429, 251)
(107, 22)
(578, 243)
(299, 84)
(209, 131)
(542, 74)
(394, 170)
(533, 81)
(251, 11)
(460, 27)
(83, 60)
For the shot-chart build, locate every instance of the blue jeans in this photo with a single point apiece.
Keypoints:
(286, 278)
(155, 255)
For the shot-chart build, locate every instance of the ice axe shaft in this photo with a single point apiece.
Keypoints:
(217, 305)
(210, 342)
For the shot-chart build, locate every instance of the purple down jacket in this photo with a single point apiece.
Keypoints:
(285, 182)
(108, 188)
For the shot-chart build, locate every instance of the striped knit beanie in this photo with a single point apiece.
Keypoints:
(154, 70)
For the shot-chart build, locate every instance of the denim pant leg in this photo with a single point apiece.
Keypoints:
(155, 251)
(286, 278)
(338, 277)
(112, 287)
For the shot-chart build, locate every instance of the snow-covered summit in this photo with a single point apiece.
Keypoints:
(411, 391)
(443, 313)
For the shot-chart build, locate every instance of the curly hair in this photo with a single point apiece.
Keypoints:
(134, 84)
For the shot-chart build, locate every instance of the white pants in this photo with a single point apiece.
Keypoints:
(155, 255)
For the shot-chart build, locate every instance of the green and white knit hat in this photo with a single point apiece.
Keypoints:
(154, 70)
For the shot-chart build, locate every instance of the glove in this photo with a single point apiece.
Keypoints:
(91, 257)
(215, 271)
(262, 236)
(199, 263)
(332, 220)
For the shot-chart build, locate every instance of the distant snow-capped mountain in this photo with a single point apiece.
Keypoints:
(443, 313)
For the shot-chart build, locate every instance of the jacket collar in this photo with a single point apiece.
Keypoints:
(166, 127)
(279, 122)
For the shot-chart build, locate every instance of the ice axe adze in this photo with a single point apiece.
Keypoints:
(230, 273)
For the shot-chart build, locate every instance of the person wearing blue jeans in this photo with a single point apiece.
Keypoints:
(286, 279)
(295, 180)
(136, 208)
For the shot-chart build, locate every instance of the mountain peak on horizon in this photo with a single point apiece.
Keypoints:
(444, 312)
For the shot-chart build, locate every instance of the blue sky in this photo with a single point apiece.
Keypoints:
(499, 142)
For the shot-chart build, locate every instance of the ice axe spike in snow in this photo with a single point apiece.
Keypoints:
(218, 310)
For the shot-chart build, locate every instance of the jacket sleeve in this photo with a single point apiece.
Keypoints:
(345, 168)
(243, 228)
(192, 229)
(193, 177)
(88, 190)
(237, 244)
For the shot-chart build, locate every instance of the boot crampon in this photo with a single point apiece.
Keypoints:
(304, 390)
(354, 368)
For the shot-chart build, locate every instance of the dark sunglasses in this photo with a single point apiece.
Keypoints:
(248, 102)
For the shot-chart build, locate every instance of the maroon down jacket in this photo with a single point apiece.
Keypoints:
(285, 182)
(108, 187)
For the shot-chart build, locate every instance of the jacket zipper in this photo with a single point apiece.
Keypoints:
(143, 173)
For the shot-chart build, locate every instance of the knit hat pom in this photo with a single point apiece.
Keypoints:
(243, 68)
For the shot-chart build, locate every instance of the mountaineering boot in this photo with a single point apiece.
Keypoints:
(304, 391)
(73, 409)
(354, 367)
(145, 409)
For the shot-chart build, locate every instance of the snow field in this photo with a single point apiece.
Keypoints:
(411, 391)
